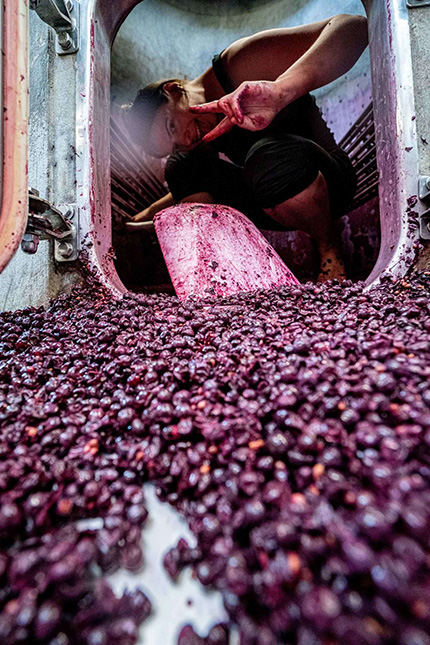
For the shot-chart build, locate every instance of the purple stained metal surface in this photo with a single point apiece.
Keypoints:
(100, 19)
(215, 250)
(112, 14)
(395, 133)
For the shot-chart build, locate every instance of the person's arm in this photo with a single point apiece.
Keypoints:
(275, 67)
(335, 51)
(312, 55)
(147, 215)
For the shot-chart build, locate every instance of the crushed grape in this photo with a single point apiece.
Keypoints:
(291, 428)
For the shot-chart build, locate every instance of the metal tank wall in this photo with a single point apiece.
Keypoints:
(419, 22)
(396, 135)
(31, 280)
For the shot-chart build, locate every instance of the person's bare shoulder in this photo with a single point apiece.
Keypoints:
(267, 54)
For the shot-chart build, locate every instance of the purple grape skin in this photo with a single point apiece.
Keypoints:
(95, 636)
(217, 635)
(47, 620)
(136, 604)
(171, 563)
(187, 636)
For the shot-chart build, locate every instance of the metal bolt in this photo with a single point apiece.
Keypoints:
(29, 243)
(65, 249)
(64, 40)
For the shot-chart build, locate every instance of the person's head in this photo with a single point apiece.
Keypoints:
(159, 119)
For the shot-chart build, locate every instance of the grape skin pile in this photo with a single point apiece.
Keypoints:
(290, 427)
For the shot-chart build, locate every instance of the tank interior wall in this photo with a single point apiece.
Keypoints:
(31, 280)
(170, 38)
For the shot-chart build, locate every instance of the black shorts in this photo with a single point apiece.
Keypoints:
(276, 168)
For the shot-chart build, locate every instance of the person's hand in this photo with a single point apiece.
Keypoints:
(252, 106)
(144, 216)
(142, 222)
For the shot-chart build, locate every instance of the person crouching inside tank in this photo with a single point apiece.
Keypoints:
(281, 166)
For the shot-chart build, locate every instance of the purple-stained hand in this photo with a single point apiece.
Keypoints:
(252, 106)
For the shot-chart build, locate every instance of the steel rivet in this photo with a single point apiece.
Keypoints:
(65, 249)
(64, 40)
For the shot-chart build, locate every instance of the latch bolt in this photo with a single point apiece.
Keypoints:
(65, 249)
(63, 17)
(46, 221)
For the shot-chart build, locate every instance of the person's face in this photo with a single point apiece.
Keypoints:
(175, 128)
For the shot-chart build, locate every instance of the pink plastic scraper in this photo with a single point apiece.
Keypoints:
(215, 250)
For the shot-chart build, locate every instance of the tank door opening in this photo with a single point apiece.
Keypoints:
(137, 179)
(385, 87)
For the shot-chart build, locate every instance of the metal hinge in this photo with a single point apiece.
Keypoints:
(424, 195)
(63, 17)
(46, 221)
(413, 4)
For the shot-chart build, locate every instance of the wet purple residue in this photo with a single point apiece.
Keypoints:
(215, 250)
(395, 134)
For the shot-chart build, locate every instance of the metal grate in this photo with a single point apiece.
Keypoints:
(359, 143)
(134, 184)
